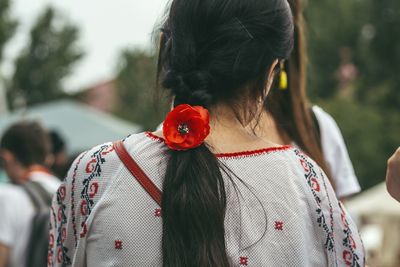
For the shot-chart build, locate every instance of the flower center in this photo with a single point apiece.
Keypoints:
(183, 129)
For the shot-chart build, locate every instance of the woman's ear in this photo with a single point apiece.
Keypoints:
(271, 75)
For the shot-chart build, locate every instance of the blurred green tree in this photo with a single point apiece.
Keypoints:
(7, 25)
(331, 26)
(363, 35)
(139, 102)
(379, 53)
(45, 61)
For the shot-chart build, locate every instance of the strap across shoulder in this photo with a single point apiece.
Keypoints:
(137, 172)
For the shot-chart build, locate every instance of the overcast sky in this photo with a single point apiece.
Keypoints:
(107, 26)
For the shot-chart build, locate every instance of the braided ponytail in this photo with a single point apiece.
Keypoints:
(212, 51)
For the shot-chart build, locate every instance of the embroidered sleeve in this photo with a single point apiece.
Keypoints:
(73, 204)
(59, 253)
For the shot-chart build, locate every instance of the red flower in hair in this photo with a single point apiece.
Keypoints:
(186, 127)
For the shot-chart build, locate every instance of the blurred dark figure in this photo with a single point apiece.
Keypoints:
(25, 204)
(60, 162)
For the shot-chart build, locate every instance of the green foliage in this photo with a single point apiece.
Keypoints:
(331, 25)
(43, 64)
(7, 25)
(367, 109)
(379, 55)
(136, 83)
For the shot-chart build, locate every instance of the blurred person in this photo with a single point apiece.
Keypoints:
(3, 176)
(60, 158)
(393, 175)
(229, 197)
(292, 120)
(24, 149)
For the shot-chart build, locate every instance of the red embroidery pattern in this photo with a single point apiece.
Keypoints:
(347, 256)
(305, 166)
(107, 150)
(73, 198)
(157, 213)
(154, 137)
(231, 155)
(59, 255)
(62, 192)
(49, 259)
(315, 185)
(63, 235)
(51, 240)
(84, 207)
(90, 165)
(244, 261)
(118, 244)
(84, 230)
(279, 225)
(59, 214)
(94, 188)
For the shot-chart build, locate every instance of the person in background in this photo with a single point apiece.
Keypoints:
(24, 150)
(3, 176)
(60, 159)
(393, 175)
(292, 120)
(207, 190)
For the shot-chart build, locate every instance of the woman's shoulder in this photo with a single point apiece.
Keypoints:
(102, 162)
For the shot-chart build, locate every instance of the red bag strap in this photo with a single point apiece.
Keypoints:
(137, 172)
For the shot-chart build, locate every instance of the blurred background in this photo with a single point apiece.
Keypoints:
(86, 69)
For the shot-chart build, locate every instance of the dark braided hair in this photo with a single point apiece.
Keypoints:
(211, 52)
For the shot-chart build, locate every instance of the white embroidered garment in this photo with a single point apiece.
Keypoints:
(287, 213)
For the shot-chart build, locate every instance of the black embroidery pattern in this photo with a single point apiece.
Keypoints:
(73, 217)
(351, 258)
(310, 175)
(62, 253)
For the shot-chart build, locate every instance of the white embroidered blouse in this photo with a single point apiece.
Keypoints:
(287, 213)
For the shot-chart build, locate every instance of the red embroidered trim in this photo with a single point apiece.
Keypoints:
(347, 257)
(51, 240)
(59, 255)
(90, 165)
(234, 154)
(94, 188)
(83, 231)
(252, 152)
(155, 137)
(62, 192)
(315, 185)
(84, 207)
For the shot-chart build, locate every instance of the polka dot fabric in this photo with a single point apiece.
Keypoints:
(281, 211)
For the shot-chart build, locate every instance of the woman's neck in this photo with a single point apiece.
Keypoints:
(229, 135)
(269, 129)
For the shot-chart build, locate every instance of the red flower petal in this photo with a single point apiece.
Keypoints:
(195, 118)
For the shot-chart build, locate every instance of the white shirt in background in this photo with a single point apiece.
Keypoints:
(336, 155)
(17, 211)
